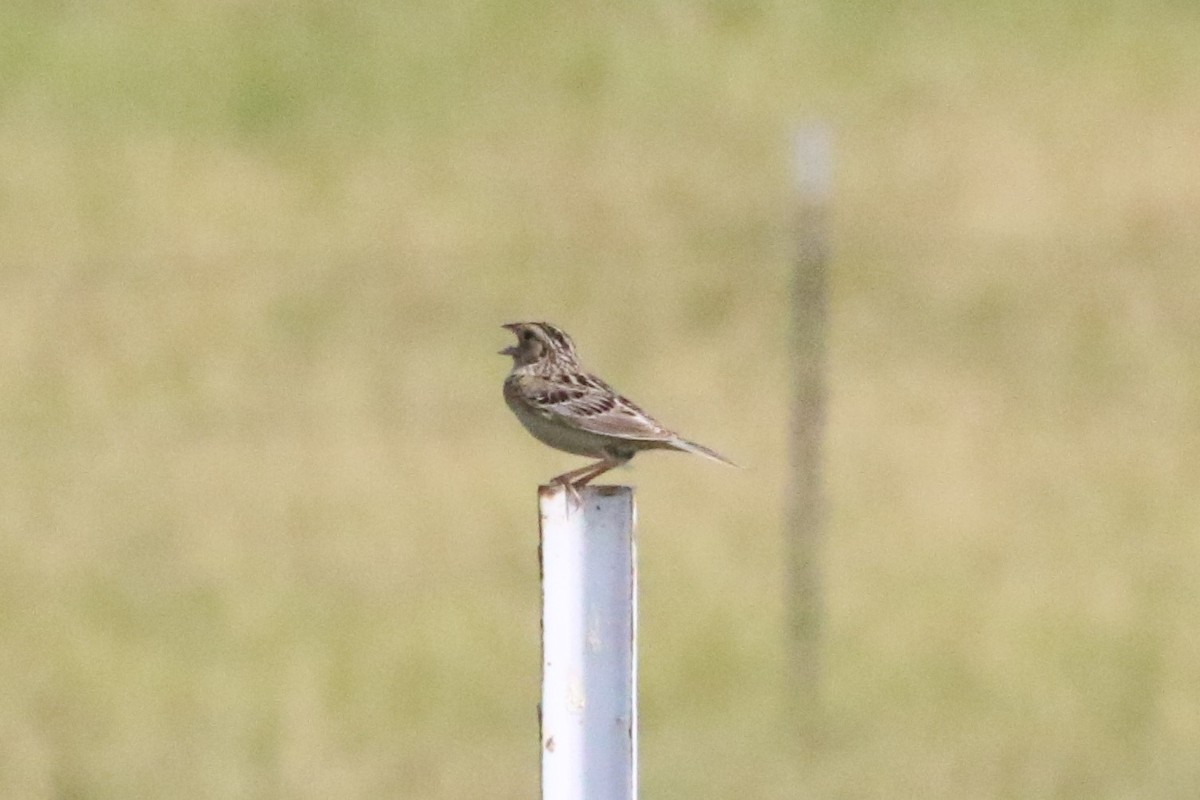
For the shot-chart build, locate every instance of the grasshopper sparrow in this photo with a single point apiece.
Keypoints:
(570, 409)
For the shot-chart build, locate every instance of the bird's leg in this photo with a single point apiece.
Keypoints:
(567, 481)
(571, 481)
(598, 470)
(573, 475)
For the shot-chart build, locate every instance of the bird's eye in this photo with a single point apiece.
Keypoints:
(526, 335)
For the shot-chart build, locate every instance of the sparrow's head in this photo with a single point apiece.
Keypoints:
(540, 343)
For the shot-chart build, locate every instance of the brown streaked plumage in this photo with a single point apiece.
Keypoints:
(570, 409)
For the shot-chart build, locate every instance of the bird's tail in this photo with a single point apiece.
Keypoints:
(700, 450)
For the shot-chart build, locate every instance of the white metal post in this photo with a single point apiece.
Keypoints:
(589, 644)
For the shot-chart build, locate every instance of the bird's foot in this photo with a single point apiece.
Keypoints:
(572, 493)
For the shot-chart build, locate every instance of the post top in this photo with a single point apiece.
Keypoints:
(602, 489)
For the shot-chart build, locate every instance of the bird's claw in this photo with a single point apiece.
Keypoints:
(572, 495)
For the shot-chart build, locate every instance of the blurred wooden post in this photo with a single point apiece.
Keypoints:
(805, 511)
(589, 644)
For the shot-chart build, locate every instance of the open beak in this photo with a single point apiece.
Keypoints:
(511, 350)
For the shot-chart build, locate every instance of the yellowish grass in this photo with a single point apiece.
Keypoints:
(266, 528)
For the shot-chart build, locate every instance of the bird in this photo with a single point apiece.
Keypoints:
(565, 406)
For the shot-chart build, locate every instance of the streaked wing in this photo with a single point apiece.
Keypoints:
(589, 404)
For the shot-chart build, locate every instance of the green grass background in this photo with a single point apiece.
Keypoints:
(268, 531)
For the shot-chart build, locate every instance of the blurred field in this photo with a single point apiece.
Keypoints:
(267, 529)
